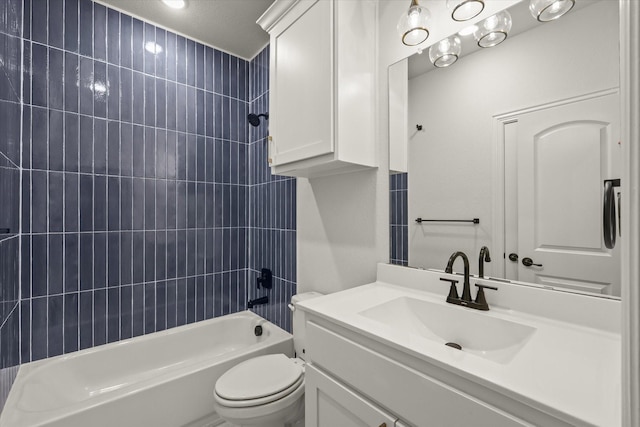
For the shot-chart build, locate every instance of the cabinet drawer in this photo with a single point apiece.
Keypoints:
(413, 396)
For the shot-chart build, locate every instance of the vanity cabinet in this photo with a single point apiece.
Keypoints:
(328, 403)
(351, 376)
(322, 86)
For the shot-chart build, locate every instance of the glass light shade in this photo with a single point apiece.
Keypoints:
(493, 30)
(412, 25)
(445, 52)
(463, 10)
(548, 10)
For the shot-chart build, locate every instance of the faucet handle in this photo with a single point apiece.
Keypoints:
(481, 301)
(453, 290)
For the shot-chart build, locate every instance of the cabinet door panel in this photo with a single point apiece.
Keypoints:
(330, 404)
(302, 92)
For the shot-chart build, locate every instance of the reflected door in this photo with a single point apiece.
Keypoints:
(563, 155)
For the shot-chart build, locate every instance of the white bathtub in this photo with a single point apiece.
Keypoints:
(161, 379)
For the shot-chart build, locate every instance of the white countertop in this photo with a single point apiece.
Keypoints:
(569, 368)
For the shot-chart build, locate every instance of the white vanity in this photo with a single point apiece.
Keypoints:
(377, 356)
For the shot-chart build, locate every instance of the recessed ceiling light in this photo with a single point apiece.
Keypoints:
(175, 4)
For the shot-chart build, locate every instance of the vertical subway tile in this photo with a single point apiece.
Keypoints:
(55, 264)
(113, 92)
(149, 43)
(71, 82)
(85, 319)
(99, 32)
(113, 204)
(181, 59)
(160, 103)
(126, 252)
(126, 314)
(71, 315)
(126, 95)
(71, 264)
(126, 149)
(126, 203)
(113, 314)
(126, 37)
(100, 203)
(71, 142)
(86, 203)
(99, 317)
(54, 325)
(161, 306)
(100, 89)
(199, 69)
(39, 77)
(39, 21)
(86, 86)
(86, 144)
(39, 328)
(149, 308)
(86, 261)
(55, 140)
(71, 37)
(138, 257)
(100, 146)
(113, 36)
(170, 56)
(55, 23)
(149, 152)
(99, 260)
(113, 259)
(137, 44)
(138, 98)
(39, 202)
(86, 27)
(113, 148)
(138, 310)
(149, 101)
(160, 53)
(138, 204)
(56, 79)
(39, 265)
(56, 201)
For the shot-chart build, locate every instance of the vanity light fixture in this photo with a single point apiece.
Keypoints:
(549, 10)
(175, 4)
(412, 25)
(463, 10)
(493, 30)
(445, 52)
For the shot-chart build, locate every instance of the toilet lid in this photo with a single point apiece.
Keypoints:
(258, 378)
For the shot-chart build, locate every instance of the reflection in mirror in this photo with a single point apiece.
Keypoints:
(523, 137)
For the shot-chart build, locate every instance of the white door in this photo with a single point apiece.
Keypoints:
(564, 154)
(330, 404)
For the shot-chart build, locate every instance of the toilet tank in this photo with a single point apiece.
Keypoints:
(299, 320)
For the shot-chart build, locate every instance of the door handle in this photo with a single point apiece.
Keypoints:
(609, 213)
(513, 257)
(528, 262)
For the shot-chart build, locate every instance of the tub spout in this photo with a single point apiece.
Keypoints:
(258, 301)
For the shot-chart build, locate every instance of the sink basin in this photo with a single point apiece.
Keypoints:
(491, 338)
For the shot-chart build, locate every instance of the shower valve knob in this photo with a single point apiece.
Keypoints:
(270, 138)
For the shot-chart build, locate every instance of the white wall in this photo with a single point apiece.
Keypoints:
(450, 162)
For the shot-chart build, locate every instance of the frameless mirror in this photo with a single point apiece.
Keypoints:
(523, 137)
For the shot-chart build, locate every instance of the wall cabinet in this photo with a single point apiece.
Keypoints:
(322, 86)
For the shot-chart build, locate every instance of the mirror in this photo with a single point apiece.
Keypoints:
(522, 136)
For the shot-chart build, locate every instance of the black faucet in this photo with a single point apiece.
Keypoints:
(485, 256)
(480, 303)
(466, 290)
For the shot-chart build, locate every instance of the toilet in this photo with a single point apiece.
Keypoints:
(267, 391)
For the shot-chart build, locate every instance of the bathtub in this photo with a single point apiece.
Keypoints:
(161, 379)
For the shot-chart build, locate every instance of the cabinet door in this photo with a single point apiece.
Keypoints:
(302, 84)
(329, 404)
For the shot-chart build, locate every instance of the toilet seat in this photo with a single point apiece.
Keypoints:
(259, 381)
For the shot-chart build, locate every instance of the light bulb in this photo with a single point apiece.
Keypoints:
(549, 10)
(412, 25)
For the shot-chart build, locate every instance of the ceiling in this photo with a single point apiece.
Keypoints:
(228, 25)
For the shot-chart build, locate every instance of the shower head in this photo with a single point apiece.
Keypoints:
(254, 119)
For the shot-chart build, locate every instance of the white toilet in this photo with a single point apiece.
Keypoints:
(267, 391)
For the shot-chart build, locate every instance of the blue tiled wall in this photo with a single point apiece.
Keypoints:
(146, 199)
(272, 210)
(398, 215)
(10, 105)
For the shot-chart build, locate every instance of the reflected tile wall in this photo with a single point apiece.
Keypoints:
(398, 217)
(134, 213)
(272, 212)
